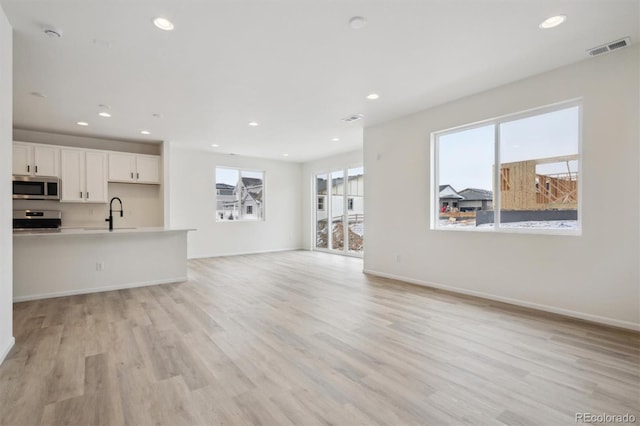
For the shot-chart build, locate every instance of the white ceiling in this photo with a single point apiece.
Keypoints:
(294, 66)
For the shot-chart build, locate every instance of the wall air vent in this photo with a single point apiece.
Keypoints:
(354, 117)
(610, 47)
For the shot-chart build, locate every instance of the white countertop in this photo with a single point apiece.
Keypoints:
(95, 231)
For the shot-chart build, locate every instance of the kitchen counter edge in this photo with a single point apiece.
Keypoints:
(85, 231)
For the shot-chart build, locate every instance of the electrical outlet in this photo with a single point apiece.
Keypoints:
(398, 258)
(100, 266)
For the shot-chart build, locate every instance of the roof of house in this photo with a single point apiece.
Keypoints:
(224, 186)
(447, 192)
(474, 194)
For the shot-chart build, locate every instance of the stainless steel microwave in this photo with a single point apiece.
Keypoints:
(36, 188)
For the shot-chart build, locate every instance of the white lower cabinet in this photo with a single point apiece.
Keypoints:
(83, 176)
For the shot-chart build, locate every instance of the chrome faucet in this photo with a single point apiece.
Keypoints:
(110, 218)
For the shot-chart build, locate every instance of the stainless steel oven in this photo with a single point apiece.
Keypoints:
(37, 220)
(36, 188)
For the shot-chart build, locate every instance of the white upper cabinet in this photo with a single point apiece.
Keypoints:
(134, 168)
(84, 176)
(96, 177)
(72, 184)
(35, 160)
(122, 167)
(148, 168)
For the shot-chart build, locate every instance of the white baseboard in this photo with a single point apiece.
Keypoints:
(96, 289)
(6, 350)
(546, 308)
(242, 253)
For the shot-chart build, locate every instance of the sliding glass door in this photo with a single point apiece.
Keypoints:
(339, 211)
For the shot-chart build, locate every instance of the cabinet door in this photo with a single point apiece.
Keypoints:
(148, 169)
(45, 160)
(122, 167)
(96, 177)
(71, 176)
(21, 159)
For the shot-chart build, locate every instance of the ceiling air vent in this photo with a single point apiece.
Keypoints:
(610, 47)
(354, 117)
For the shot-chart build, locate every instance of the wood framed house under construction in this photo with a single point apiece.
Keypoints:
(528, 185)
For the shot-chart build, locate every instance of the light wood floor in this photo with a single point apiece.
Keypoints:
(305, 338)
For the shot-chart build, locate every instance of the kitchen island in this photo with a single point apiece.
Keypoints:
(87, 260)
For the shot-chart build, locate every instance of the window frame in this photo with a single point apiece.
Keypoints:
(328, 207)
(263, 218)
(434, 199)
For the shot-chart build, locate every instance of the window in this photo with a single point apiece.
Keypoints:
(535, 187)
(239, 194)
(339, 214)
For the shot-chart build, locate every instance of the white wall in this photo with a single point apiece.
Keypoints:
(6, 239)
(309, 169)
(594, 276)
(192, 198)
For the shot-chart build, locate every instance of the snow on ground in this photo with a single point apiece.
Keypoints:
(358, 228)
(534, 224)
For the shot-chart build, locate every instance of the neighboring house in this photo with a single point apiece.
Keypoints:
(449, 197)
(469, 199)
(524, 187)
(355, 197)
(249, 196)
(226, 201)
(475, 199)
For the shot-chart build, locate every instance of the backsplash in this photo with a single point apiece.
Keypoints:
(143, 207)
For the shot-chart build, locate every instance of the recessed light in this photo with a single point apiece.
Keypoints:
(554, 21)
(253, 123)
(104, 114)
(82, 123)
(215, 145)
(285, 155)
(335, 139)
(357, 22)
(38, 95)
(145, 132)
(163, 24)
(373, 96)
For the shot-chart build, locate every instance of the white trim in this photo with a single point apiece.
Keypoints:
(348, 253)
(243, 253)
(546, 308)
(97, 290)
(5, 352)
